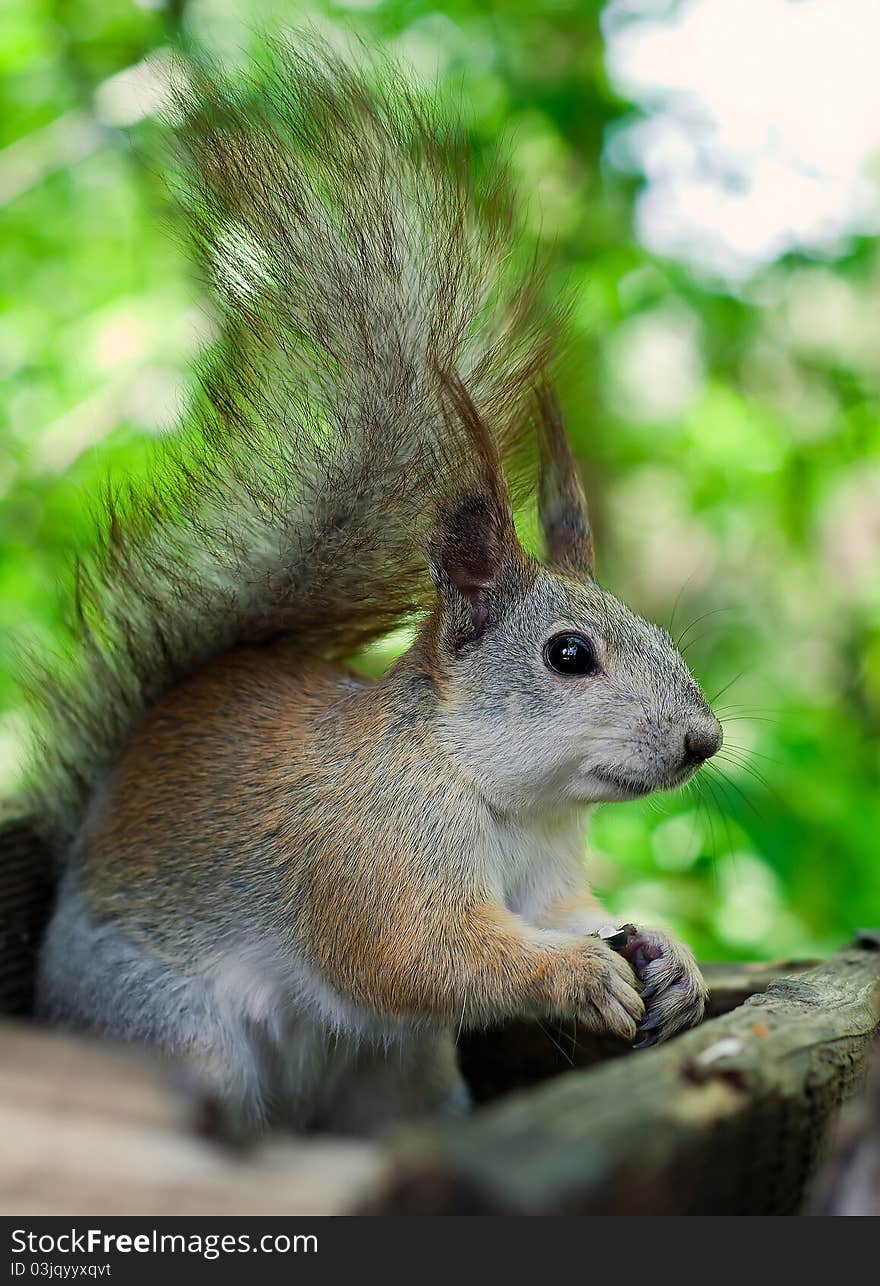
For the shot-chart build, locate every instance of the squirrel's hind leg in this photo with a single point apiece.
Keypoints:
(92, 977)
(416, 1076)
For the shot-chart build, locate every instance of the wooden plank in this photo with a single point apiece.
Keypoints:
(729, 1118)
(732, 983)
(849, 1180)
(520, 1054)
(90, 1128)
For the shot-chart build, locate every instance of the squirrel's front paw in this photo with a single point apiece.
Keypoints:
(598, 987)
(673, 989)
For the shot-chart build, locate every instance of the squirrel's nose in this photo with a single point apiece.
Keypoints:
(701, 742)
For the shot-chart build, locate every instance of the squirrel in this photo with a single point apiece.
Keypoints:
(301, 882)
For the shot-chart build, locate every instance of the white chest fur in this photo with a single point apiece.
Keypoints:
(532, 863)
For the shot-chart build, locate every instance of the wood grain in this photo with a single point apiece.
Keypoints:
(730, 1118)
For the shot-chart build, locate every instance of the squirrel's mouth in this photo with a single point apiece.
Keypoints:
(628, 786)
(635, 787)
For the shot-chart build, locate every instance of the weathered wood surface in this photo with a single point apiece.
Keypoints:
(730, 1118)
(849, 1181)
(88, 1128)
(520, 1054)
(732, 984)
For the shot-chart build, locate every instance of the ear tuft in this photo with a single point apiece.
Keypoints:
(562, 506)
(475, 540)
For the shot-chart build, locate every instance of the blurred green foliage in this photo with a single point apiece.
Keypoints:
(731, 440)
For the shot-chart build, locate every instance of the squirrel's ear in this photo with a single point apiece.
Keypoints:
(562, 506)
(475, 544)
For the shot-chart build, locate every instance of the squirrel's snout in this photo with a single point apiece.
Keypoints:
(702, 741)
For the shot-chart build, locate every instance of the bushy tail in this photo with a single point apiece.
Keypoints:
(358, 261)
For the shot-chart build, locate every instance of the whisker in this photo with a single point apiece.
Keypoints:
(726, 711)
(750, 754)
(554, 1042)
(729, 684)
(678, 599)
(705, 615)
(693, 642)
(713, 855)
(745, 718)
(704, 787)
(718, 787)
(740, 705)
(759, 778)
(722, 778)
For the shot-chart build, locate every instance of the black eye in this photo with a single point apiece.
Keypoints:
(570, 654)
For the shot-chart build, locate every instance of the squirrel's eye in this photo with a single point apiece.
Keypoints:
(570, 654)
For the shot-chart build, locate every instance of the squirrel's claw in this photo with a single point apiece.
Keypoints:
(673, 990)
